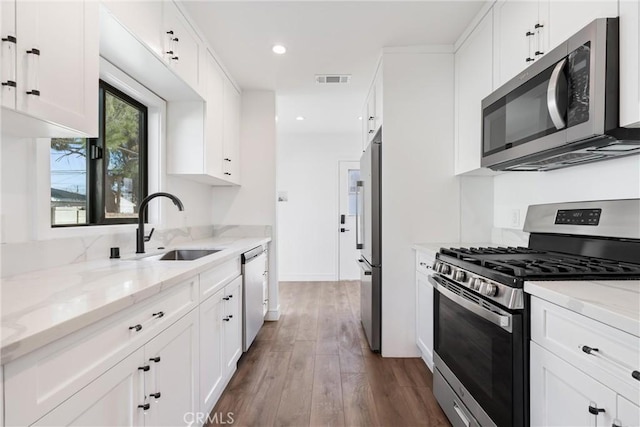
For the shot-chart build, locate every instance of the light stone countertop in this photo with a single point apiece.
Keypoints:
(43, 306)
(612, 302)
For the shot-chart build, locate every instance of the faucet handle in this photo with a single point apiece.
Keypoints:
(147, 238)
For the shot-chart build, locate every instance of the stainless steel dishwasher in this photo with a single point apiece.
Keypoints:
(253, 272)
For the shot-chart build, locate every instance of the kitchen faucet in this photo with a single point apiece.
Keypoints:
(140, 237)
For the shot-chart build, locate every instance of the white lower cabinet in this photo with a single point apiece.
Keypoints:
(171, 383)
(628, 413)
(220, 341)
(112, 399)
(424, 307)
(562, 395)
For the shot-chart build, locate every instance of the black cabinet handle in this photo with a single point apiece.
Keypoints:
(138, 327)
(225, 298)
(226, 319)
(227, 160)
(371, 117)
(155, 359)
(169, 52)
(34, 51)
(144, 407)
(231, 316)
(371, 131)
(170, 32)
(158, 314)
(231, 296)
(538, 53)
(175, 39)
(9, 83)
(175, 58)
(595, 410)
(10, 39)
(636, 375)
(34, 92)
(227, 173)
(529, 59)
(144, 368)
(529, 33)
(588, 349)
(538, 26)
(155, 395)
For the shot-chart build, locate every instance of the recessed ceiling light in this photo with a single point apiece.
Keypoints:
(299, 118)
(360, 118)
(279, 49)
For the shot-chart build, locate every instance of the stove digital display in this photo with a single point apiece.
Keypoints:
(578, 216)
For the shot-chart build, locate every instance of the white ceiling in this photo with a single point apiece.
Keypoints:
(322, 37)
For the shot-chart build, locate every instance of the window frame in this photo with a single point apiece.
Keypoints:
(96, 168)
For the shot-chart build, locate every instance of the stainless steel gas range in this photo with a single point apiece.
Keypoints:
(481, 332)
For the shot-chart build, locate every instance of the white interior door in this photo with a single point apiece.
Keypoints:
(347, 253)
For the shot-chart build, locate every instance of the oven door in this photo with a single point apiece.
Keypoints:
(479, 352)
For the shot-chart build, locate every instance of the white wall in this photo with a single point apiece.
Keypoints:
(611, 179)
(420, 194)
(254, 202)
(308, 221)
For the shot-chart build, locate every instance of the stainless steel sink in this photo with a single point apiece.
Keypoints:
(187, 254)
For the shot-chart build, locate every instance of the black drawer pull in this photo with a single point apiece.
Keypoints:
(636, 375)
(34, 52)
(529, 33)
(175, 39)
(10, 39)
(588, 349)
(34, 92)
(529, 59)
(138, 327)
(144, 368)
(155, 395)
(595, 410)
(231, 316)
(158, 314)
(144, 407)
(227, 173)
(538, 26)
(169, 52)
(170, 32)
(225, 298)
(155, 359)
(175, 58)
(9, 83)
(227, 160)
(226, 319)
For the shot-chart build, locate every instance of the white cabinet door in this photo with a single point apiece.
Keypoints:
(142, 18)
(474, 76)
(110, 400)
(211, 314)
(181, 45)
(568, 17)
(562, 394)
(512, 21)
(371, 114)
(378, 98)
(214, 97)
(57, 63)
(628, 414)
(232, 327)
(629, 63)
(8, 53)
(171, 384)
(424, 327)
(231, 132)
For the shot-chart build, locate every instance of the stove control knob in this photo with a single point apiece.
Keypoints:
(436, 266)
(445, 269)
(489, 289)
(460, 276)
(476, 284)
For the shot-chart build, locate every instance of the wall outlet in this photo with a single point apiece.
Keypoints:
(515, 218)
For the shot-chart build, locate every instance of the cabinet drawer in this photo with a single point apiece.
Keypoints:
(212, 280)
(565, 333)
(424, 262)
(39, 381)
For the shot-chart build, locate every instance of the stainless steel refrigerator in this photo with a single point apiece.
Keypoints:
(368, 237)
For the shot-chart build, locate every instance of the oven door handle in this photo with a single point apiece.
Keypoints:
(504, 321)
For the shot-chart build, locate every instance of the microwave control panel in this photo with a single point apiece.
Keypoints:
(578, 216)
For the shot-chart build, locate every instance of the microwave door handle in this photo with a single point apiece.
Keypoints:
(359, 213)
(557, 96)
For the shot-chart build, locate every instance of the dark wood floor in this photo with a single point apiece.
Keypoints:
(313, 368)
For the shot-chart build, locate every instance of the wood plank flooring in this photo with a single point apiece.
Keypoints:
(313, 367)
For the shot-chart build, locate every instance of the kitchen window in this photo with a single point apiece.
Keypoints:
(102, 180)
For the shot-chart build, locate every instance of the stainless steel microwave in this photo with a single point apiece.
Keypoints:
(562, 110)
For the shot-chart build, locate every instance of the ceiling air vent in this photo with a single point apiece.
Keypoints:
(332, 78)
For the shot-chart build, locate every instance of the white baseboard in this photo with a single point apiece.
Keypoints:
(307, 277)
(273, 315)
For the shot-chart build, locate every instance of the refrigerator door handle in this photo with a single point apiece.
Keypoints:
(359, 212)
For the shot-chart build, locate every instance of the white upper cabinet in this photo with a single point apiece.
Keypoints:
(231, 133)
(568, 17)
(54, 66)
(520, 36)
(181, 45)
(8, 63)
(474, 74)
(142, 18)
(214, 95)
(629, 63)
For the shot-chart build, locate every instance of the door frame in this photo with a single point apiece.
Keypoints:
(338, 213)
